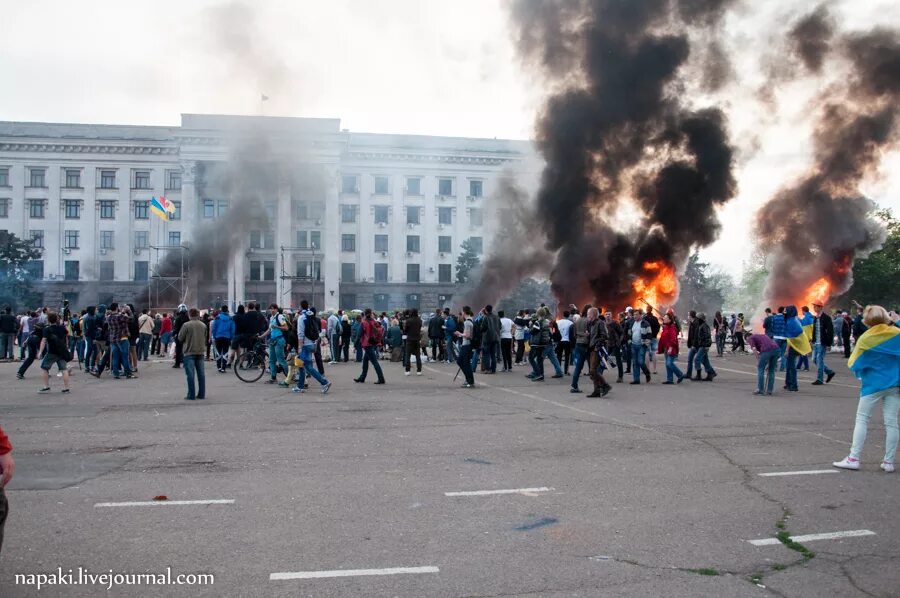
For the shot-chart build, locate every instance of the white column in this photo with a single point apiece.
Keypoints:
(331, 243)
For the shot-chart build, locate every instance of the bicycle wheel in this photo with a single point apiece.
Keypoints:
(250, 367)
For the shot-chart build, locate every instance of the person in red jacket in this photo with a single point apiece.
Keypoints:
(7, 466)
(668, 346)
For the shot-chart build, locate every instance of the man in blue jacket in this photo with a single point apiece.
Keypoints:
(222, 332)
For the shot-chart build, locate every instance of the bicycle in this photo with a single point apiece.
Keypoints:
(252, 364)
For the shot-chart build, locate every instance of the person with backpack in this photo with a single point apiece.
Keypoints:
(540, 340)
(55, 342)
(466, 335)
(275, 333)
(371, 338)
(309, 328)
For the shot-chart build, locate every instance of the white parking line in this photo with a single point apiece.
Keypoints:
(490, 492)
(350, 573)
(775, 474)
(854, 533)
(163, 503)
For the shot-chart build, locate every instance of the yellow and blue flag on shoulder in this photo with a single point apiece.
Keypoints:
(808, 321)
(876, 359)
(795, 333)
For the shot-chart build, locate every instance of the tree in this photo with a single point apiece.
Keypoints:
(466, 262)
(701, 289)
(15, 279)
(528, 295)
(876, 278)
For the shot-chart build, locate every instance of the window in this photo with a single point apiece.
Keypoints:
(173, 180)
(174, 238)
(141, 210)
(4, 177)
(73, 209)
(269, 270)
(301, 239)
(107, 179)
(141, 271)
(381, 185)
(381, 214)
(107, 209)
(412, 272)
(255, 270)
(315, 239)
(348, 184)
(412, 215)
(106, 239)
(414, 186)
(271, 211)
(36, 208)
(444, 244)
(413, 301)
(476, 217)
(35, 269)
(381, 301)
(348, 300)
(258, 239)
(70, 239)
(477, 244)
(348, 213)
(316, 210)
(476, 188)
(381, 272)
(381, 242)
(73, 178)
(300, 210)
(107, 270)
(445, 272)
(445, 216)
(38, 178)
(221, 207)
(209, 208)
(141, 179)
(4, 208)
(37, 238)
(141, 239)
(348, 242)
(221, 271)
(177, 214)
(412, 243)
(348, 272)
(445, 187)
(309, 270)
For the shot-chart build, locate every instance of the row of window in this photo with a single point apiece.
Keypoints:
(382, 185)
(413, 215)
(71, 239)
(413, 272)
(106, 178)
(72, 270)
(72, 208)
(413, 243)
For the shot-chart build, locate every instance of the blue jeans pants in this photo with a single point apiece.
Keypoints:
(306, 354)
(550, 354)
(193, 366)
(782, 349)
(465, 363)
(692, 354)
(7, 342)
(536, 359)
(276, 356)
(702, 359)
(490, 356)
(638, 361)
(790, 377)
(119, 356)
(819, 352)
(370, 355)
(672, 369)
(768, 361)
(581, 353)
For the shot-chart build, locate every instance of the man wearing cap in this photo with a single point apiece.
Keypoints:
(823, 338)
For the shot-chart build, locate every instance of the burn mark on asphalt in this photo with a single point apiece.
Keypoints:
(542, 522)
(477, 461)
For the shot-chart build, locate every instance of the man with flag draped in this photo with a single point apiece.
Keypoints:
(797, 345)
(876, 362)
(807, 321)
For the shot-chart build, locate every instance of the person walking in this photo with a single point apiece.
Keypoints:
(491, 327)
(117, 322)
(720, 328)
(57, 352)
(654, 330)
(704, 342)
(822, 339)
(465, 352)
(9, 325)
(540, 340)
(779, 322)
(346, 336)
(582, 347)
(333, 327)
(846, 333)
(412, 333)
(223, 329)
(277, 326)
(145, 330)
(157, 326)
(165, 335)
(614, 342)
(668, 347)
(7, 467)
(192, 335)
(308, 337)
(564, 347)
(597, 339)
(876, 362)
(371, 338)
(436, 336)
(521, 322)
(640, 335)
(769, 353)
(506, 339)
(797, 345)
(32, 345)
(181, 318)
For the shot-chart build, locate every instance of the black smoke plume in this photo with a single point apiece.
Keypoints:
(820, 224)
(618, 133)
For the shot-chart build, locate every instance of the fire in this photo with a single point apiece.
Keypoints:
(817, 292)
(657, 284)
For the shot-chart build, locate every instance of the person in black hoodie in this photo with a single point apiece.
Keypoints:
(89, 330)
(614, 342)
(244, 328)
(181, 318)
(346, 335)
(704, 342)
(692, 344)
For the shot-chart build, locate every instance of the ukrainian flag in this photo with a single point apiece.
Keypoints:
(795, 333)
(160, 207)
(876, 359)
(808, 322)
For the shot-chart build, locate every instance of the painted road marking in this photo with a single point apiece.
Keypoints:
(854, 533)
(163, 503)
(491, 492)
(350, 573)
(775, 474)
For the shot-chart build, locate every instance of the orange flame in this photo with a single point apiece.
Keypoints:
(656, 285)
(817, 292)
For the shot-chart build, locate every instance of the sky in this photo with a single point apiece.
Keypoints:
(401, 66)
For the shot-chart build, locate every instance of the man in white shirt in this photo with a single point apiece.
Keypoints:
(564, 348)
(334, 334)
(506, 338)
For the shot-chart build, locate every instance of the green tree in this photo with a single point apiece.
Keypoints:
(876, 278)
(701, 289)
(528, 295)
(15, 279)
(466, 262)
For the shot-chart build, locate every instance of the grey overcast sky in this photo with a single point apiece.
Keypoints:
(398, 66)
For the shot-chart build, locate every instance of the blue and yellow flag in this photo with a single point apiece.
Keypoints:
(159, 207)
(876, 359)
(808, 321)
(795, 333)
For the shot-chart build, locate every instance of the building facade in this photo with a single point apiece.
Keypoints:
(351, 219)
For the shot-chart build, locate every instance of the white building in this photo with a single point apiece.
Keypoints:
(382, 227)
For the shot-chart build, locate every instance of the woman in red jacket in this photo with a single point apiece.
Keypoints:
(668, 345)
(6, 472)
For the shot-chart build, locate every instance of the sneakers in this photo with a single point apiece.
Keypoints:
(297, 389)
(848, 463)
(681, 379)
(829, 377)
(418, 373)
(326, 388)
(44, 390)
(467, 385)
(887, 467)
(574, 390)
(557, 376)
(818, 383)
(538, 379)
(406, 373)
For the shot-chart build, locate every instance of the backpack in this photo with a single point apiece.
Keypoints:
(477, 331)
(290, 335)
(376, 334)
(311, 327)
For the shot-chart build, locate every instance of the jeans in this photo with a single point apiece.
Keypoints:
(452, 348)
(550, 354)
(464, 361)
(520, 350)
(767, 361)
(359, 351)
(702, 359)
(194, 364)
(890, 404)
(335, 340)
(720, 344)
(564, 354)
(638, 361)
(276, 356)
(616, 352)
(819, 352)
(782, 349)
(119, 355)
(306, 354)
(626, 356)
(581, 352)
(7, 342)
(672, 368)
(536, 359)
(144, 346)
(803, 362)
(370, 355)
(345, 349)
(490, 356)
(692, 354)
(412, 350)
(790, 377)
(222, 347)
(90, 353)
